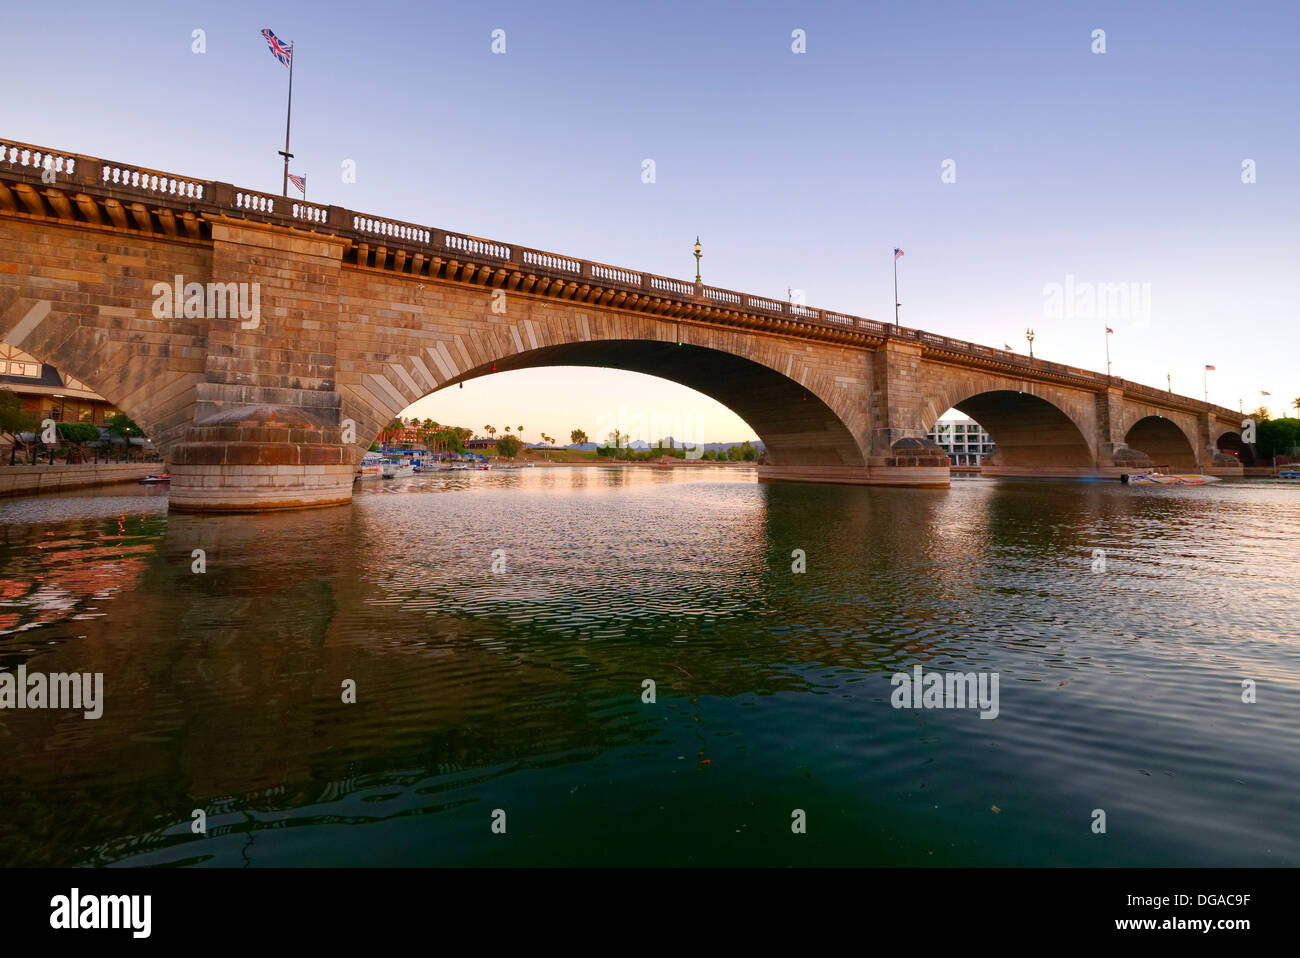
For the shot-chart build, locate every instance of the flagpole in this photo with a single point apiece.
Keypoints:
(1205, 382)
(287, 117)
(896, 303)
(1107, 353)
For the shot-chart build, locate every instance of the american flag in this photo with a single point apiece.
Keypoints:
(1008, 347)
(1109, 330)
(299, 183)
(1262, 393)
(279, 49)
(897, 252)
(1210, 368)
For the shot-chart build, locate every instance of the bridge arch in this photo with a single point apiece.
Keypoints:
(1164, 442)
(798, 421)
(1030, 433)
(1231, 442)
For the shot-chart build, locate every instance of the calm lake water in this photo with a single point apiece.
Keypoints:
(521, 690)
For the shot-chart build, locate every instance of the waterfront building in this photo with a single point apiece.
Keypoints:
(49, 393)
(964, 440)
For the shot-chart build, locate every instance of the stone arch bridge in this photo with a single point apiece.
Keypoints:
(263, 343)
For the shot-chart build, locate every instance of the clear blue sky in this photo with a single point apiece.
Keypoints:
(798, 171)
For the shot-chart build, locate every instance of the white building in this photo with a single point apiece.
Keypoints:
(964, 440)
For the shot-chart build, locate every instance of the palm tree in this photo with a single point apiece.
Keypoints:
(1296, 403)
(491, 431)
(578, 437)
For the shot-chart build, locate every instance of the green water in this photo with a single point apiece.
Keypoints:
(521, 690)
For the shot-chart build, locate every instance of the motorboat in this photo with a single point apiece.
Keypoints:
(1159, 479)
(372, 466)
(397, 470)
(156, 478)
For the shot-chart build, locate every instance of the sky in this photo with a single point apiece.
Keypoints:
(1070, 170)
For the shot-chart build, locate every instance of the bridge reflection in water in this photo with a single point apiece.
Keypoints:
(523, 691)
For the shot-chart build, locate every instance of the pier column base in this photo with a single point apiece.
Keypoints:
(230, 488)
(875, 475)
(260, 460)
(1225, 466)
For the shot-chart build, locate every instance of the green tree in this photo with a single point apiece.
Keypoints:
(76, 435)
(578, 437)
(120, 424)
(14, 420)
(1277, 437)
(509, 446)
(452, 438)
(124, 427)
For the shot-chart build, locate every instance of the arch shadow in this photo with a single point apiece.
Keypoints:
(1231, 443)
(1163, 441)
(796, 426)
(1029, 434)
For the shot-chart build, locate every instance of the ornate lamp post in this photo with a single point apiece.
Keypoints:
(697, 259)
(1029, 335)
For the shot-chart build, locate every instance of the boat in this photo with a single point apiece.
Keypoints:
(1159, 479)
(397, 470)
(372, 466)
(1289, 474)
(157, 477)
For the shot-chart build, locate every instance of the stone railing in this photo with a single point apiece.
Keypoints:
(103, 176)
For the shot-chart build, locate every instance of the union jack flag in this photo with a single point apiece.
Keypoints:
(897, 252)
(299, 183)
(279, 49)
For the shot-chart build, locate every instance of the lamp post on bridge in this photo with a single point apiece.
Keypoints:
(698, 247)
(1029, 335)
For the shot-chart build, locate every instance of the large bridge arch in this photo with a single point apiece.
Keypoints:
(1038, 428)
(1164, 442)
(1030, 433)
(1230, 442)
(803, 400)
